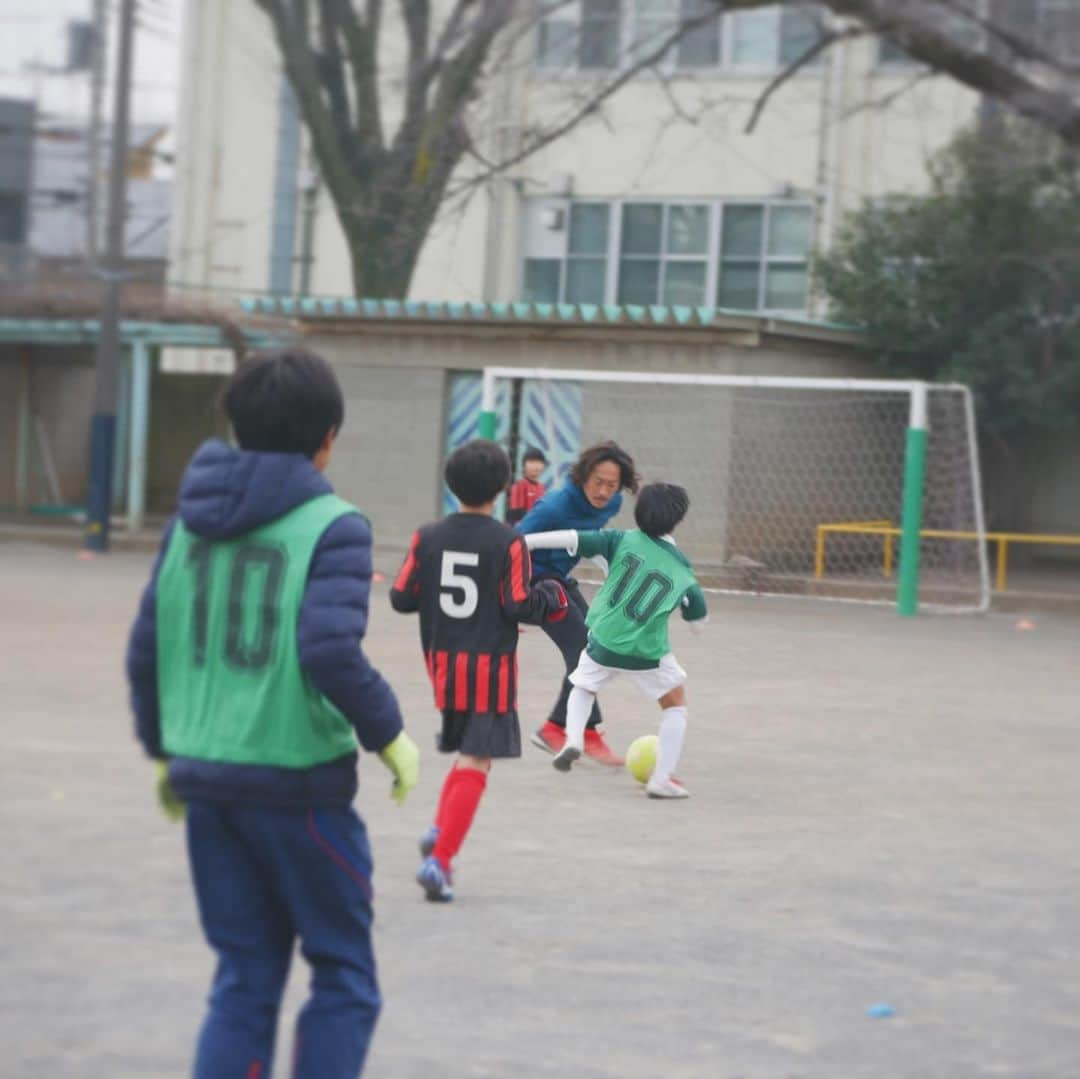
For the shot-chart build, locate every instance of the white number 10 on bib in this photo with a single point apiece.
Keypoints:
(451, 581)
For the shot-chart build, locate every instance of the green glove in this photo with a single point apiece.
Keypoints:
(171, 806)
(403, 759)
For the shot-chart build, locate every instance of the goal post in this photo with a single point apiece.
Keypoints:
(858, 489)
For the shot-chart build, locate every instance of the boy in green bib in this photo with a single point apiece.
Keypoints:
(248, 678)
(648, 579)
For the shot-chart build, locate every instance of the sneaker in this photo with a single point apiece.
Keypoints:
(564, 759)
(428, 840)
(666, 788)
(435, 881)
(549, 738)
(596, 749)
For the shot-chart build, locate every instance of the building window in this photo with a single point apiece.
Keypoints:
(750, 256)
(889, 53)
(701, 46)
(601, 28)
(663, 255)
(587, 248)
(763, 256)
(12, 217)
(599, 35)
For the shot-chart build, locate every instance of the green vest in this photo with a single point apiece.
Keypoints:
(628, 620)
(229, 679)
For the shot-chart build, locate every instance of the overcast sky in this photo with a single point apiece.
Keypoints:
(33, 37)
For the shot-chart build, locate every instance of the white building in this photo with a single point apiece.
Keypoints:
(663, 198)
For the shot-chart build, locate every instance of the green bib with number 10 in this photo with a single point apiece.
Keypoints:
(229, 679)
(647, 579)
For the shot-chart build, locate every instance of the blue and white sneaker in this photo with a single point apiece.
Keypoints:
(428, 841)
(435, 881)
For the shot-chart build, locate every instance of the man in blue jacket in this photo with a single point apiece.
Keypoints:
(247, 677)
(589, 499)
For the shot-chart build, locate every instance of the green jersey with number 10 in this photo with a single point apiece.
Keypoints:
(229, 679)
(647, 580)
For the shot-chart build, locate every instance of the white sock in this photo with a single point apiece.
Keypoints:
(672, 731)
(578, 708)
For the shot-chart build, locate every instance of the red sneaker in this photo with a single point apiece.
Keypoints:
(598, 750)
(551, 738)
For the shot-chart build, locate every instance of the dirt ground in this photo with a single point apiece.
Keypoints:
(884, 811)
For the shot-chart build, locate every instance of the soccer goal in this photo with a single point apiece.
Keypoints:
(837, 488)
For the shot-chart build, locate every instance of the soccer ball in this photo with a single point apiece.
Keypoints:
(641, 757)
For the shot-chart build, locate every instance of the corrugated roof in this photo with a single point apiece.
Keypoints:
(72, 331)
(309, 308)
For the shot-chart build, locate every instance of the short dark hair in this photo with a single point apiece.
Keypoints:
(660, 507)
(477, 472)
(284, 402)
(597, 455)
(533, 454)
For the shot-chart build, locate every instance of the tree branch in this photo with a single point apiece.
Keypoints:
(825, 41)
(292, 38)
(360, 43)
(332, 67)
(593, 104)
(916, 27)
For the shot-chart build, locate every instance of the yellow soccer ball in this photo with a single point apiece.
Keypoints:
(641, 757)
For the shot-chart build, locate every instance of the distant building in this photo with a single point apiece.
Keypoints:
(16, 179)
(44, 183)
(631, 207)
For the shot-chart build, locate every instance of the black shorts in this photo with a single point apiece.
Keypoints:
(480, 734)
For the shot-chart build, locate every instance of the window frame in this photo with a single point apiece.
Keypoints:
(725, 25)
(712, 256)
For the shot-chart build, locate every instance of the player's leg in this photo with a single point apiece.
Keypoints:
(587, 679)
(251, 933)
(570, 637)
(672, 732)
(666, 684)
(427, 840)
(321, 863)
(463, 789)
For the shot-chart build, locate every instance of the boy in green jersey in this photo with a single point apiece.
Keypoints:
(648, 578)
(248, 678)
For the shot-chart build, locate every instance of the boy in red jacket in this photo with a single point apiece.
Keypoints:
(528, 490)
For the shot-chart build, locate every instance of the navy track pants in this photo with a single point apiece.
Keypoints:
(263, 879)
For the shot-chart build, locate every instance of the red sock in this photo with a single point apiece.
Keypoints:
(465, 787)
(448, 782)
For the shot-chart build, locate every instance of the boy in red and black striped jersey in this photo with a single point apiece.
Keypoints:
(468, 576)
(528, 490)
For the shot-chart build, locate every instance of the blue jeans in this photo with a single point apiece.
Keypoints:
(264, 877)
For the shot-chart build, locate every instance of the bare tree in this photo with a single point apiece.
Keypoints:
(1001, 48)
(387, 188)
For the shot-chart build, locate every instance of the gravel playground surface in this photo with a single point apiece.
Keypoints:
(883, 812)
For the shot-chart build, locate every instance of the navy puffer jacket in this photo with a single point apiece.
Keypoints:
(225, 493)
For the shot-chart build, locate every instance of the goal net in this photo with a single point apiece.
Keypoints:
(796, 485)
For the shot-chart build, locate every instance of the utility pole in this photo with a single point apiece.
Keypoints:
(103, 424)
(99, 20)
(307, 231)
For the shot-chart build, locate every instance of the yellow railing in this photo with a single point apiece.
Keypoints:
(889, 532)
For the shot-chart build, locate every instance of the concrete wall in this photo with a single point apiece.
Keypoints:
(9, 390)
(184, 413)
(61, 388)
(388, 456)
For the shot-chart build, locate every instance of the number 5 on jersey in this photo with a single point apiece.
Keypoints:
(458, 593)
